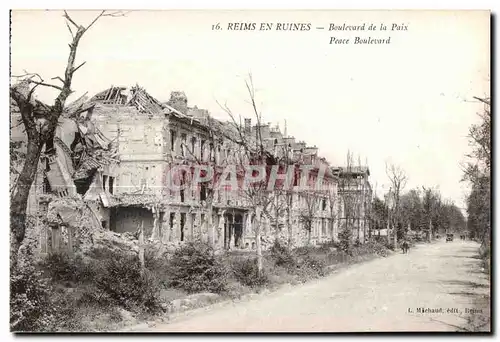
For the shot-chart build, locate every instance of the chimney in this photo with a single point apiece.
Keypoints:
(248, 125)
(178, 100)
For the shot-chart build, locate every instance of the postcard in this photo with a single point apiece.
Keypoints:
(250, 171)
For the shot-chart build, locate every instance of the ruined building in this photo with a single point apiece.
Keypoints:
(64, 196)
(114, 152)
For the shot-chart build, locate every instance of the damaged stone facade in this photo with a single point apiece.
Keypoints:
(153, 136)
(112, 152)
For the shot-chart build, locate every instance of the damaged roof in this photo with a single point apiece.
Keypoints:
(134, 96)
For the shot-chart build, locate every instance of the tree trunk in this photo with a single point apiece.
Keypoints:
(258, 245)
(388, 227)
(395, 241)
(141, 247)
(276, 231)
(395, 224)
(19, 201)
(289, 228)
(364, 230)
(309, 229)
(430, 230)
(211, 228)
(332, 227)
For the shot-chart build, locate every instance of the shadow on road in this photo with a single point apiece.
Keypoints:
(462, 256)
(465, 283)
(463, 293)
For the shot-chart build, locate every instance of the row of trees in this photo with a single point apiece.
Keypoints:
(422, 210)
(478, 173)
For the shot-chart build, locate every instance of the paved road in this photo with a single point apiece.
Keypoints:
(373, 296)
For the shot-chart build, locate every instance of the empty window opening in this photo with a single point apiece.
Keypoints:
(46, 185)
(183, 144)
(171, 222)
(83, 185)
(211, 153)
(193, 220)
(183, 181)
(296, 178)
(111, 183)
(49, 146)
(203, 192)
(172, 140)
(104, 181)
(193, 145)
(202, 148)
(183, 221)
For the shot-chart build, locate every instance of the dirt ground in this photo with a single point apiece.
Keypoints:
(430, 289)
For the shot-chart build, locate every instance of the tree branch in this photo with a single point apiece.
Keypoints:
(482, 100)
(58, 78)
(104, 14)
(96, 18)
(78, 67)
(47, 85)
(66, 15)
(70, 31)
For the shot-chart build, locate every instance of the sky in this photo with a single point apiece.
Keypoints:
(409, 102)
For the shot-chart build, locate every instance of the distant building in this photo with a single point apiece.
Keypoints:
(355, 199)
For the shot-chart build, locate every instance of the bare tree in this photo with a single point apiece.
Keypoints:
(349, 194)
(308, 211)
(207, 162)
(282, 205)
(332, 193)
(284, 194)
(398, 179)
(480, 137)
(252, 151)
(388, 202)
(431, 203)
(478, 173)
(361, 206)
(278, 208)
(40, 121)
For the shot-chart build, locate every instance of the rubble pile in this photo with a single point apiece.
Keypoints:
(76, 216)
(113, 242)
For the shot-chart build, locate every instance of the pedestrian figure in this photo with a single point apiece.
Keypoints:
(405, 246)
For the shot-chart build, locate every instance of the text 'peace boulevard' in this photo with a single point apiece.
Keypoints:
(359, 40)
